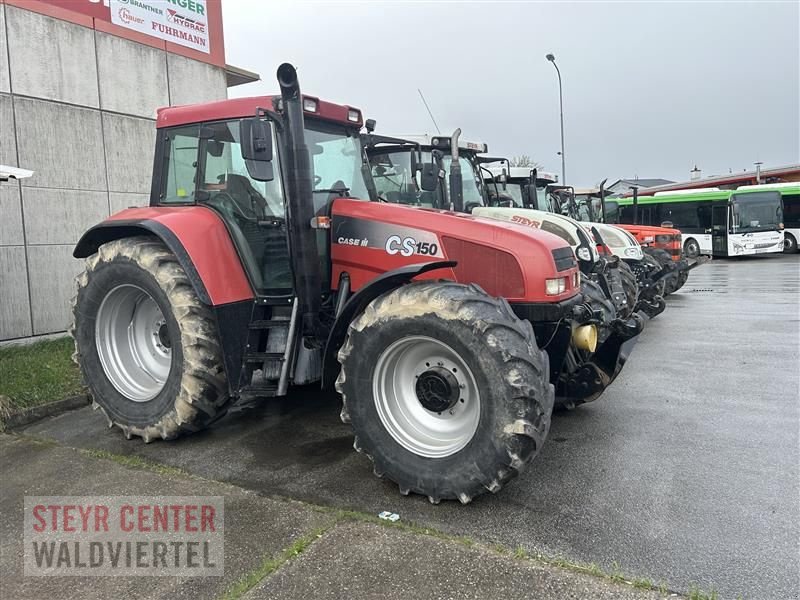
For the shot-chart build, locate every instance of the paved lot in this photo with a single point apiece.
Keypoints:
(685, 472)
(342, 557)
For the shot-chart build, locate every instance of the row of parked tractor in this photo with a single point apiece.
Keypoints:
(452, 300)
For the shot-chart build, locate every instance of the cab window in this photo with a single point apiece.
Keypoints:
(180, 164)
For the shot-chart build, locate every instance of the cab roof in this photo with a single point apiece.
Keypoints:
(442, 142)
(237, 108)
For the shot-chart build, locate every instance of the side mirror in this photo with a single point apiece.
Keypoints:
(503, 179)
(429, 177)
(529, 199)
(256, 143)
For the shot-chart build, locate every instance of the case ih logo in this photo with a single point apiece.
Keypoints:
(127, 17)
(178, 19)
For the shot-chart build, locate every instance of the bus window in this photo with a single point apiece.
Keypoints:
(683, 215)
(791, 210)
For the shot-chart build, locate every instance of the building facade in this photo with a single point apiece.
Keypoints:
(80, 82)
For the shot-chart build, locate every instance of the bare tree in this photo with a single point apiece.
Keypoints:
(524, 161)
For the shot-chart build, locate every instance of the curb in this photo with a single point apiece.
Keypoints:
(37, 413)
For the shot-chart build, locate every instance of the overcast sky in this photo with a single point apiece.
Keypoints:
(649, 89)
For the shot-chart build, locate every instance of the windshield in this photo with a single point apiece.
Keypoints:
(757, 211)
(395, 182)
(336, 161)
(473, 195)
(513, 190)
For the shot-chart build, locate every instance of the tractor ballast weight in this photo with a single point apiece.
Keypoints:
(254, 270)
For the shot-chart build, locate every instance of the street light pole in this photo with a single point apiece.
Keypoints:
(552, 59)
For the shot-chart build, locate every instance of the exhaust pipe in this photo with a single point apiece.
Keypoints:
(300, 204)
(456, 183)
(602, 201)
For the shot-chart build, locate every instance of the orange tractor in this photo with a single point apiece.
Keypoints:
(261, 263)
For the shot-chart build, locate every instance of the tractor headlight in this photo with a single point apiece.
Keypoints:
(584, 253)
(555, 286)
(632, 252)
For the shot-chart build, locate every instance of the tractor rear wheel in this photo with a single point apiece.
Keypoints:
(446, 390)
(147, 347)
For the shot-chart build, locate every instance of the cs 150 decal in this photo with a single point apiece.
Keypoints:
(392, 239)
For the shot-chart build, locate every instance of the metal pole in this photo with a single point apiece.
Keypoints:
(561, 110)
(552, 59)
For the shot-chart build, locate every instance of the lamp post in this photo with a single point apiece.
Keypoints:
(552, 59)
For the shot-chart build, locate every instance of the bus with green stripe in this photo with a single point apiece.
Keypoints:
(713, 221)
(790, 193)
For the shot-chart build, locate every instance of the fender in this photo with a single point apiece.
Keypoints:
(359, 301)
(196, 235)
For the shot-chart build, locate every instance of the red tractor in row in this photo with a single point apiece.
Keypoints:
(262, 263)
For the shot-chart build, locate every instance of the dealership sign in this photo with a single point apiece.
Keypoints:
(182, 22)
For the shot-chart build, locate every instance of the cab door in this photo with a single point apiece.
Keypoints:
(719, 229)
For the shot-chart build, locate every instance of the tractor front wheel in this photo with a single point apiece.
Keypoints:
(147, 347)
(446, 390)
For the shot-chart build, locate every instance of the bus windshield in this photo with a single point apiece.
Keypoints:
(757, 211)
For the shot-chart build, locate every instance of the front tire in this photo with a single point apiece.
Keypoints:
(446, 390)
(147, 347)
(630, 286)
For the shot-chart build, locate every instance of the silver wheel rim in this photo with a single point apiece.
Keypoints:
(132, 343)
(428, 433)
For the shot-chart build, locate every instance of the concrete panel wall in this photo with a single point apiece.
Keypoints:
(191, 81)
(15, 314)
(52, 279)
(119, 201)
(48, 58)
(77, 106)
(8, 143)
(5, 82)
(61, 216)
(10, 216)
(129, 144)
(63, 144)
(133, 77)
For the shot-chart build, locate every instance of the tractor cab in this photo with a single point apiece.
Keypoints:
(203, 159)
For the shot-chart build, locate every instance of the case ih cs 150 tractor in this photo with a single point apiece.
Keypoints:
(255, 268)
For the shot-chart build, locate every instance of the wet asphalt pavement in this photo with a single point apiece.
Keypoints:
(684, 472)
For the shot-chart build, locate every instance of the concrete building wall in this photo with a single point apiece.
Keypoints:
(77, 106)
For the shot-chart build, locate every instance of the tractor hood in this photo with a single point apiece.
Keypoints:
(506, 259)
(574, 233)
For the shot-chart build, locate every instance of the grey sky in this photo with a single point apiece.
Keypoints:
(649, 89)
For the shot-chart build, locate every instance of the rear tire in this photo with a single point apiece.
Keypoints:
(789, 243)
(147, 347)
(691, 248)
(408, 362)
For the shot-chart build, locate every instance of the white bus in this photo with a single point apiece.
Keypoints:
(790, 193)
(712, 221)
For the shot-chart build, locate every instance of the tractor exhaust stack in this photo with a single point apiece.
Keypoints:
(300, 205)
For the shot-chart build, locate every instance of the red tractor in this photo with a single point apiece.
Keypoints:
(256, 267)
